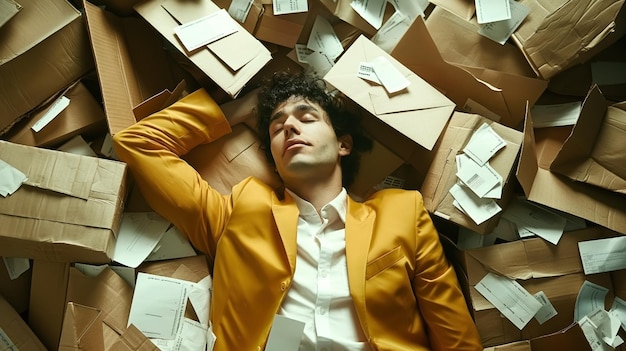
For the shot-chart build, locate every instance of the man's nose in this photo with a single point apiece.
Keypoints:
(291, 126)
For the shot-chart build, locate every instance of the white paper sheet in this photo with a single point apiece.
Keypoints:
(501, 31)
(410, 9)
(389, 76)
(16, 266)
(372, 11)
(324, 40)
(589, 331)
(547, 310)
(139, 234)
(55, 109)
(531, 219)
(302, 53)
(478, 209)
(239, 9)
(282, 7)
(392, 31)
(11, 179)
(484, 144)
(77, 146)
(510, 298)
(172, 245)
(205, 30)
(480, 179)
(590, 297)
(603, 255)
(556, 115)
(158, 305)
(619, 311)
(492, 10)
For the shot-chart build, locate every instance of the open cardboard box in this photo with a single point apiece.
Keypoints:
(537, 265)
(230, 62)
(15, 334)
(594, 152)
(539, 148)
(83, 115)
(127, 53)
(441, 175)
(52, 31)
(68, 210)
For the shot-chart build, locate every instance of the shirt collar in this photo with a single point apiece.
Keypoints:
(339, 204)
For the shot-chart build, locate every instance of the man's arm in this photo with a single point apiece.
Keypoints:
(439, 295)
(152, 148)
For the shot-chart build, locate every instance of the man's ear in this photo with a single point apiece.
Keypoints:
(345, 145)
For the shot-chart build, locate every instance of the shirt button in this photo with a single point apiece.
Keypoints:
(258, 348)
(324, 275)
(283, 285)
(322, 311)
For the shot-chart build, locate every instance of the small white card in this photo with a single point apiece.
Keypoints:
(390, 77)
(366, 71)
(590, 297)
(285, 334)
(239, 9)
(603, 255)
(55, 109)
(324, 40)
(484, 144)
(478, 209)
(492, 10)
(556, 115)
(319, 64)
(619, 311)
(11, 179)
(303, 53)
(282, 7)
(205, 30)
(480, 179)
(501, 31)
(510, 298)
(372, 11)
(547, 310)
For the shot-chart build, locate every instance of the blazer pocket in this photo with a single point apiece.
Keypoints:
(383, 262)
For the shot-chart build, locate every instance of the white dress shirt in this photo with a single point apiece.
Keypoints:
(319, 295)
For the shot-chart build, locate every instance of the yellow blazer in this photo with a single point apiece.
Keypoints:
(405, 293)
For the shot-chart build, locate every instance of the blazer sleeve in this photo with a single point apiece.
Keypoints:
(152, 148)
(441, 301)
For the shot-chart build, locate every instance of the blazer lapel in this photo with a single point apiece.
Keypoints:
(286, 216)
(359, 226)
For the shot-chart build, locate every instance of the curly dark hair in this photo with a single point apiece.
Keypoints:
(284, 85)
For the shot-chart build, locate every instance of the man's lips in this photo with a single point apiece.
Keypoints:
(292, 143)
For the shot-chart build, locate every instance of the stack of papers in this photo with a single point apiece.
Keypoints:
(478, 183)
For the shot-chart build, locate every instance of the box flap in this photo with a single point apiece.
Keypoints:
(558, 32)
(462, 8)
(159, 101)
(37, 21)
(223, 61)
(14, 332)
(460, 84)
(422, 120)
(82, 328)
(127, 53)
(592, 153)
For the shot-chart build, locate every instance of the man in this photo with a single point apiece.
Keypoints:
(361, 276)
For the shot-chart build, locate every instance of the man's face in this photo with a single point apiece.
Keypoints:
(302, 141)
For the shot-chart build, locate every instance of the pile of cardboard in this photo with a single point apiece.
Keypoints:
(509, 119)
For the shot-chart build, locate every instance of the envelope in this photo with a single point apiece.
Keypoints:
(473, 89)
(420, 112)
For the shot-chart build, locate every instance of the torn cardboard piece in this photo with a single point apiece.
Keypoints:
(15, 334)
(594, 152)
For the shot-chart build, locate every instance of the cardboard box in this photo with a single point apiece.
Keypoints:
(559, 34)
(464, 9)
(83, 115)
(14, 332)
(441, 175)
(539, 149)
(15, 291)
(127, 53)
(68, 210)
(261, 22)
(593, 152)
(344, 11)
(473, 89)
(99, 321)
(537, 265)
(420, 112)
(230, 62)
(8, 9)
(42, 50)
